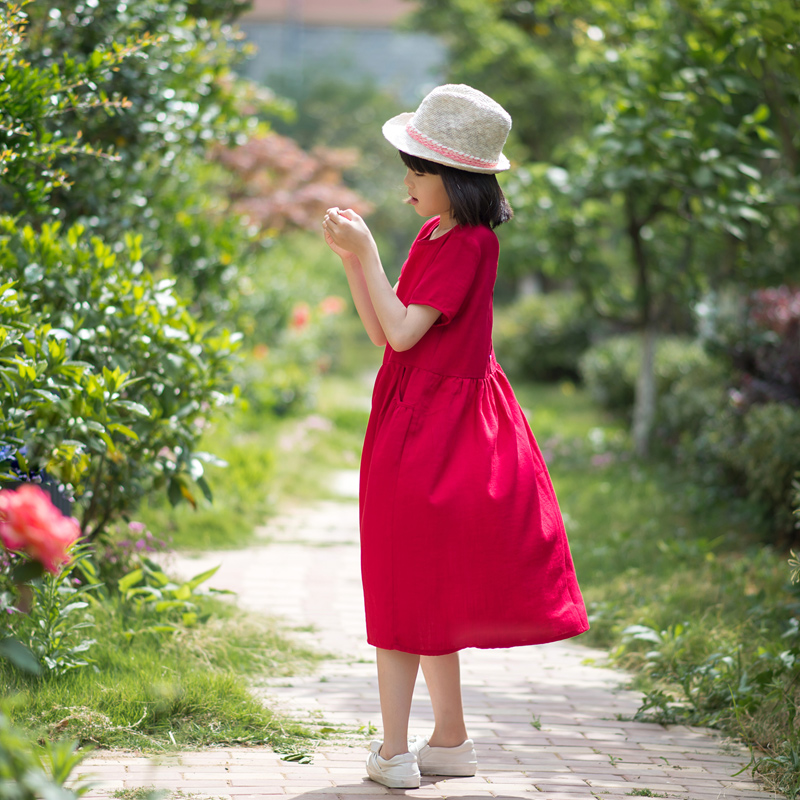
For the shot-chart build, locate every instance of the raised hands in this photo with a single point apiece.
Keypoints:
(346, 233)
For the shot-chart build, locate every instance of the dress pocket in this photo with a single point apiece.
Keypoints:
(410, 387)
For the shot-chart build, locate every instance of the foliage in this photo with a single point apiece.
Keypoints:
(756, 451)
(29, 772)
(180, 94)
(173, 94)
(148, 591)
(278, 185)
(35, 104)
(53, 629)
(542, 337)
(758, 334)
(121, 548)
(115, 372)
(737, 424)
(646, 206)
(326, 110)
(227, 241)
(502, 46)
(610, 368)
(699, 394)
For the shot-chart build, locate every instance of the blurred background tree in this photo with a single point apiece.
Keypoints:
(657, 150)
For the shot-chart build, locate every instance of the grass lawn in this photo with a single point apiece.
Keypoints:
(160, 692)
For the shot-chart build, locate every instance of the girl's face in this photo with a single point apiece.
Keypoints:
(427, 194)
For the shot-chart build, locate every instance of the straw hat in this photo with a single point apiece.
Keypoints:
(454, 125)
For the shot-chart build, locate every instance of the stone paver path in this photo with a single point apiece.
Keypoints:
(548, 722)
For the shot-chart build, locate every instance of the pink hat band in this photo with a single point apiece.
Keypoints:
(448, 152)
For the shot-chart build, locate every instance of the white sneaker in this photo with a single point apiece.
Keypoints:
(399, 772)
(460, 761)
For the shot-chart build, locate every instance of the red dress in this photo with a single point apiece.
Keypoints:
(462, 541)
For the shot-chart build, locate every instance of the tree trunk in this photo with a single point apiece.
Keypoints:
(644, 407)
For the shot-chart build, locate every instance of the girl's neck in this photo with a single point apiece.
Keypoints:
(446, 224)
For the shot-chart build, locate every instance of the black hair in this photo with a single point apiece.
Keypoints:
(475, 197)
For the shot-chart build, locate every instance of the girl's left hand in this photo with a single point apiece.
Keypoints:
(346, 231)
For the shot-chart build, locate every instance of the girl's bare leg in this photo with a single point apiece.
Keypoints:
(443, 677)
(397, 674)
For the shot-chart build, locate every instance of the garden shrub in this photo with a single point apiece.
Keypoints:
(113, 375)
(542, 337)
(751, 440)
(759, 336)
(769, 457)
(695, 397)
(611, 367)
(757, 450)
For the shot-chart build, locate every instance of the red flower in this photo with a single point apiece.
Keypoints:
(31, 524)
(301, 316)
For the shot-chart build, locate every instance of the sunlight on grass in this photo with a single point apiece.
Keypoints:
(157, 693)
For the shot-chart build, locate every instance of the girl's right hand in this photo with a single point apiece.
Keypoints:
(347, 232)
(340, 251)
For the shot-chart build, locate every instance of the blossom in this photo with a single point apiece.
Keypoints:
(301, 316)
(333, 304)
(31, 524)
(260, 351)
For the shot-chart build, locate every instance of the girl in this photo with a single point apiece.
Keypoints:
(462, 539)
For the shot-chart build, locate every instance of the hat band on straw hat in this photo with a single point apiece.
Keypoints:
(455, 155)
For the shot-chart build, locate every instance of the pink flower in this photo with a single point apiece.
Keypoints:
(332, 305)
(260, 351)
(31, 524)
(301, 316)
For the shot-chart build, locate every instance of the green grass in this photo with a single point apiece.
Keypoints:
(165, 692)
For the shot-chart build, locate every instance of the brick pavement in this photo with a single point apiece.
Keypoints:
(549, 721)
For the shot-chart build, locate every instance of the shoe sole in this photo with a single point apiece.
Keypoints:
(450, 772)
(394, 783)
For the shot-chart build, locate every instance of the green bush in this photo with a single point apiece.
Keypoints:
(542, 337)
(610, 368)
(106, 373)
(769, 457)
(756, 449)
(695, 397)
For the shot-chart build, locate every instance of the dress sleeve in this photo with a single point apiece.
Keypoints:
(448, 278)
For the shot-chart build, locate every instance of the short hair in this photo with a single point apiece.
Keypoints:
(475, 197)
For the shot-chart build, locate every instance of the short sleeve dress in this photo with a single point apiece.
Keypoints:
(462, 540)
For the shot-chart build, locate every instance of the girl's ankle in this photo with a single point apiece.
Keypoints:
(444, 741)
(387, 753)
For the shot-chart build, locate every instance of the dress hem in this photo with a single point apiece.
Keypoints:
(448, 651)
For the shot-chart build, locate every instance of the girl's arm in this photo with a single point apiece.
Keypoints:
(402, 326)
(358, 289)
(361, 298)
